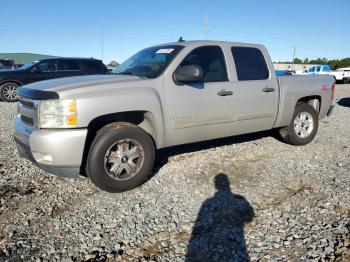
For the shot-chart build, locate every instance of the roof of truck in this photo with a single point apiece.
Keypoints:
(210, 42)
(67, 58)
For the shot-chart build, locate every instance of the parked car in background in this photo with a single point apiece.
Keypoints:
(316, 70)
(110, 126)
(301, 72)
(45, 69)
(341, 74)
(7, 64)
(284, 72)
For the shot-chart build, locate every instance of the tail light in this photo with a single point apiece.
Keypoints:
(333, 89)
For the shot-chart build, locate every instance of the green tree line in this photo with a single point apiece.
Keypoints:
(334, 63)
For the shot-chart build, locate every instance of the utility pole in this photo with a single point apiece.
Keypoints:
(102, 46)
(206, 30)
(102, 52)
(293, 66)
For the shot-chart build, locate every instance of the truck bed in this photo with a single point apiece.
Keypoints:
(292, 87)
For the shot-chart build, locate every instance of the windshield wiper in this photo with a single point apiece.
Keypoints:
(126, 73)
(131, 74)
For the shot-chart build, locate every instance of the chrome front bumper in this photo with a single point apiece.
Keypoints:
(58, 152)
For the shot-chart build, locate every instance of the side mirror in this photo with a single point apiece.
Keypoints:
(188, 73)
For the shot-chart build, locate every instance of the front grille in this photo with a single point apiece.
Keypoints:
(28, 112)
(27, 120)
(27, 104)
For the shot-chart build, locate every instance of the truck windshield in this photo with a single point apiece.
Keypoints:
(150, 62)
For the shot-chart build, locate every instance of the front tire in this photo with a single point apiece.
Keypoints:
(120, 158)
(303, 127)
(8, 92)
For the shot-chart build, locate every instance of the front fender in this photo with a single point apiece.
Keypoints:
(124, 100)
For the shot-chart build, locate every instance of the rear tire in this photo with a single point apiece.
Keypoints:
(8, 92)
(303, 127)
(120, 158)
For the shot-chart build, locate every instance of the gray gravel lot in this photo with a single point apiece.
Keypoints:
(250, 197)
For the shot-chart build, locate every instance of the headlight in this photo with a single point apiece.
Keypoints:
(58, 114)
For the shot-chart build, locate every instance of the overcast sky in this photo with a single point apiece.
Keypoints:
(75, 28)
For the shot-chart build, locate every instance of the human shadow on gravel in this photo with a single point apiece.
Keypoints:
(218, 233)
(345, 102)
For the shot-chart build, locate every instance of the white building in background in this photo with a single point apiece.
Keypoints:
(295, 67)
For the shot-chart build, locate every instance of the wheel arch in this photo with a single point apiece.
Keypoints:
(314, 101)
(11, 81)
(143, 119)
(287, 110)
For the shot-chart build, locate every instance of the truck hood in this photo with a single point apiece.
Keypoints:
(50, 89)
(66, 83)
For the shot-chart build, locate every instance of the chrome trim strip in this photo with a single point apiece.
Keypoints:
(254, 116)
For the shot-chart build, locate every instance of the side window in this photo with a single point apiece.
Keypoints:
(68, 65)
(48, 66)
(6, 63)
(326, 69)
(211, 60)
(318, 69)
(93, 65)
(250, 63)
(312, 69)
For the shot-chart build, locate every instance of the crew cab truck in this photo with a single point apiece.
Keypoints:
(316, 70)
(110, 126)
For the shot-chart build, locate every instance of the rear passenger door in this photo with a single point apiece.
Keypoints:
(68, 67)
(256, 89)
(318, 70)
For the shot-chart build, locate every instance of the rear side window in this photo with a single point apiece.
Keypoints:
(6, 63)
(93, 65)
(250, 63)
(326, 68)
(68, 65)
(211, 60)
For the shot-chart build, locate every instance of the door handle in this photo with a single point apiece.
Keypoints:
(268, 89)
(225, 93)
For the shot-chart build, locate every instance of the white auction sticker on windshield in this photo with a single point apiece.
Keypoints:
(165, 51)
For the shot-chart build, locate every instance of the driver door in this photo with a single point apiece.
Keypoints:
(202, 110)
(43, 71)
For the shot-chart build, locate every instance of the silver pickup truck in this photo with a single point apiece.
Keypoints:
(110, 126)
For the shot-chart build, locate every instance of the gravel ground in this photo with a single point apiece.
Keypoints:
(250, 197)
